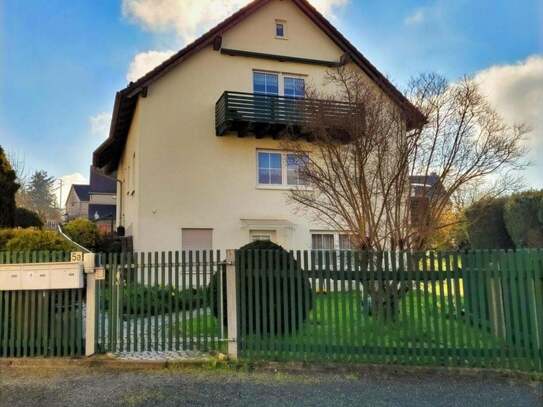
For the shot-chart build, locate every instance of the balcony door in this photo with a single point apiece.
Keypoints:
(265, 84)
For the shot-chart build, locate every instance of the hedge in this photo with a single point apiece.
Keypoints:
(522, 215)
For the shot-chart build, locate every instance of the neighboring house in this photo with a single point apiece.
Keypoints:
(424, 188)
(102, 201)
(96, 202)
(194, 143)
(77, 203)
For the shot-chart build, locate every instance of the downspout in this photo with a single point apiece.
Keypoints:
(120, 195)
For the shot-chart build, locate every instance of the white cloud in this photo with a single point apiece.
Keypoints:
(329, 7)
(67, 182)
(190, 18)
(516, 92)
(146, 61)
(99, 124)
(417, 17)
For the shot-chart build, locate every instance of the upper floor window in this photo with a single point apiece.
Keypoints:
(270, 171)
(276, 168)
(266, 83)
(294, 87)
(280, 29)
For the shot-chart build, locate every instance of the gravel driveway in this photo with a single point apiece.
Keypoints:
(92, 387)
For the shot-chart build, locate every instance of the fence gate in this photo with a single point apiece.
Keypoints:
(168, 301)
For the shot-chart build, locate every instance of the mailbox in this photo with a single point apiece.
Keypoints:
(41, 276)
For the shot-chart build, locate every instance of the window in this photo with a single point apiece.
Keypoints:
(331, 241)
(266, 83)
(196, 239)
(270, 168)
(262, 235)
(295, 164)
(281, 29)
(345, 242)
(294, 87)
(276, 168)
(322, 241)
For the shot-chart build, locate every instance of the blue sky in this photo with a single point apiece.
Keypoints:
(62, 61)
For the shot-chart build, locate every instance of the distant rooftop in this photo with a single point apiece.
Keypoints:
(100, 183)
(82, 192)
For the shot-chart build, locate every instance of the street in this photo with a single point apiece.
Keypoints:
(202, 387)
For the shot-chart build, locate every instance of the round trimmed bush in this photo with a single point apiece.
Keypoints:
(279, 288)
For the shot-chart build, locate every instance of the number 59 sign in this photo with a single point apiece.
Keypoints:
(76, 257)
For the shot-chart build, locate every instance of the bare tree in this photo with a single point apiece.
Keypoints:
(358, 155)
(18, 162)
(471, 149)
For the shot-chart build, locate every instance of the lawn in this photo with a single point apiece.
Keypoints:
(429, 328)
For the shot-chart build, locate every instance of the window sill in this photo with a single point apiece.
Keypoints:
(282, 187)
(280, 38)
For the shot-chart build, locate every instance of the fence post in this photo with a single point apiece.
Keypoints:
(90, 308)
(232, 306)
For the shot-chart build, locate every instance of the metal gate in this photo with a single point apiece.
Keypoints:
(168, 301)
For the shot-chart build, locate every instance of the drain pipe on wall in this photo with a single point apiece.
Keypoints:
(119, 219)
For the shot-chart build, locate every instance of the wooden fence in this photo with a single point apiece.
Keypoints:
(482, 308)
(479, 308)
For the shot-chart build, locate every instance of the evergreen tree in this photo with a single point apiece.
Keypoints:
(40, 194)
(8, 188)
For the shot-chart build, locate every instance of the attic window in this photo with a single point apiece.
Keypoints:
(280, 29)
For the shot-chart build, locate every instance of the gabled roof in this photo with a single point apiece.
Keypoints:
(100, 183)
(426, 185)
(82, 191)
(107, 155)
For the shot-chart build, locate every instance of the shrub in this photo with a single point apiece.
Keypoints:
(5, 236)
(33, 239)
(25, 218)
(291, 291)
(522, 218)
(84, 232)
(486, 226)
(156, 300)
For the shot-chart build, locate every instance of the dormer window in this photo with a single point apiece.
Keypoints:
(280, 29)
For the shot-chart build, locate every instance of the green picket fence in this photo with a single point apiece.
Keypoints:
(482, 308)
(160, 302)
(40, 322)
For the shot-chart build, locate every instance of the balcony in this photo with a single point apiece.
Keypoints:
(261, 115)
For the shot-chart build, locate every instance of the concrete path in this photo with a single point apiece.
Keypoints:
(205, 387)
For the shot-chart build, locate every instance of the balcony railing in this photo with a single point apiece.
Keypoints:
(261, 115)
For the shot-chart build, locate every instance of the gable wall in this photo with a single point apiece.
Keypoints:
(190, 178)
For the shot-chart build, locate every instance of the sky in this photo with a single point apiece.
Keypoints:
(61, 62)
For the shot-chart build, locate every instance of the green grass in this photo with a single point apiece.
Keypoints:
(427, 330)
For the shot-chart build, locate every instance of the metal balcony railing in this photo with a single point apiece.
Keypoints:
(256, 113)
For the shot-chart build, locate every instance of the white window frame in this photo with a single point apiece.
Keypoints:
(284, 173)
(285, 33)
(336, 235)
(280, 79)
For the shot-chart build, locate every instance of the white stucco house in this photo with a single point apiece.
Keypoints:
(197, 153)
